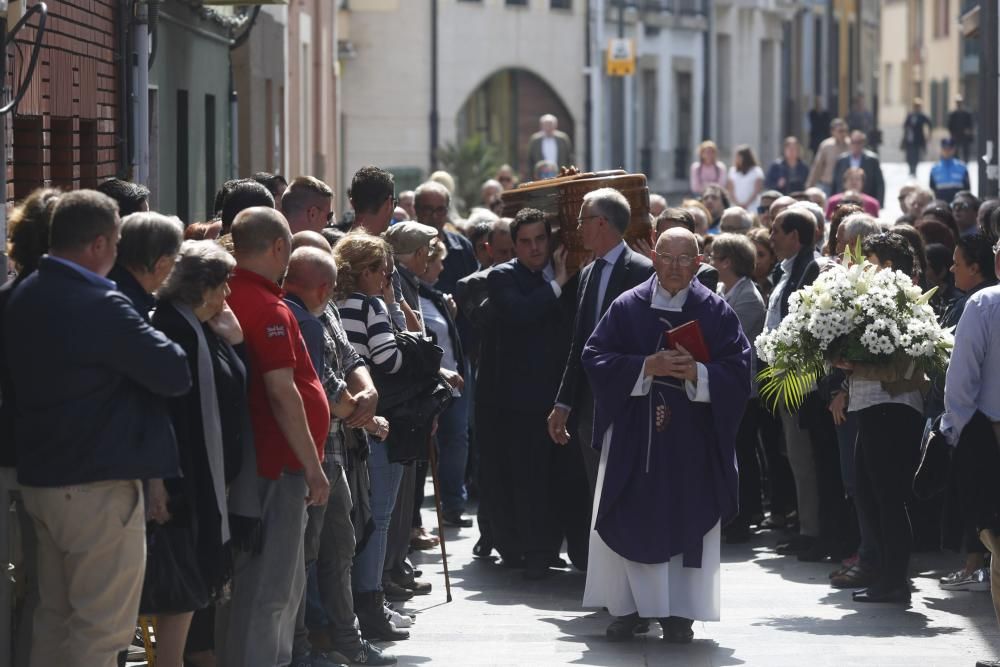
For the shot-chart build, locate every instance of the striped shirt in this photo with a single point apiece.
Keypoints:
(366, 322)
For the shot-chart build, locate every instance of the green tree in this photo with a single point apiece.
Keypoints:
(470, 163)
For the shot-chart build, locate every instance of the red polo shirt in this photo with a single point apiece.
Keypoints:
(273, 341)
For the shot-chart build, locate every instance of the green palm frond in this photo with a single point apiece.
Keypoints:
(786, 387)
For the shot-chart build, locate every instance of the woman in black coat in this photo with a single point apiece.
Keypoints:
(211, 423)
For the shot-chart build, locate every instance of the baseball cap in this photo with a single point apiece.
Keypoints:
(947, 142)
(407, 236)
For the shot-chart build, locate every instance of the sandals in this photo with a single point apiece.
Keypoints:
(853, 576)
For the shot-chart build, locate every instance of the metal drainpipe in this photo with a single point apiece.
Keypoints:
(123, 134)
(434, 85)
(588, 104)
(140, 93)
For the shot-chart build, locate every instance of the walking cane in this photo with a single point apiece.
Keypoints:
(437, 506)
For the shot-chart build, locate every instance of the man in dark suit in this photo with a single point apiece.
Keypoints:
(549, 145)
(603, 218)
(529, 481)
(91, 423)
(857, 156)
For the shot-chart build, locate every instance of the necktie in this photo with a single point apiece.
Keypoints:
(591, 307)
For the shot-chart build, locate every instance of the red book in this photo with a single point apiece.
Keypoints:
(690, 338)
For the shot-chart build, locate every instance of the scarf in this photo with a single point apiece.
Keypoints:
(211, 421)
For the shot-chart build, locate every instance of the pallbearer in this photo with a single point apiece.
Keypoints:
(665, 422)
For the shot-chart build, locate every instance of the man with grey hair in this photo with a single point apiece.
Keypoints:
(664, 414)
(431, 203)
(736, 220)
(549, 144)
(307, 204)
(854, 228)
(603, 218)
(146, 252)
(657, 205)
(290, 418)
(489, 193)
(817, 213)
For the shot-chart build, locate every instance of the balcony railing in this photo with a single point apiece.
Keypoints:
(677, 7)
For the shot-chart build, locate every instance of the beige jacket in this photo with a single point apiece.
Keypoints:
(824, 161)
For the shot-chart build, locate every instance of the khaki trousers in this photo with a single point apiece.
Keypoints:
(992, 542)
(91, 561)
(802, 460)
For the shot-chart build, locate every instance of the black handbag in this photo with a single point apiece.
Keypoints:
(173, 582)
(934, 471)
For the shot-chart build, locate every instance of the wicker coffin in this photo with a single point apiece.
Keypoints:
(561, 198)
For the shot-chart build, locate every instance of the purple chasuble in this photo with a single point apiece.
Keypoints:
(671, 472)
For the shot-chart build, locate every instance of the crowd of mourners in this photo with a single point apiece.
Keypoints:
(229, 425)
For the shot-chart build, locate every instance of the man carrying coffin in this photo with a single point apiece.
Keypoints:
(665, 422)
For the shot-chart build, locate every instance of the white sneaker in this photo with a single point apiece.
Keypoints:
(977, 580)
(400, 621)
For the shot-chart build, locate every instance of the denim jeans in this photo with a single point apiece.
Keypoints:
(453, 454)
(385, 478)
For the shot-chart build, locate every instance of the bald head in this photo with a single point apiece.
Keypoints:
(310, 239)
(256, 229)
(311, 276)
(779, 205)
(677, 238)
(676, 259)
(311, 267)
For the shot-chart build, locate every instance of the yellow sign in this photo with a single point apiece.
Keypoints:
(621, 57)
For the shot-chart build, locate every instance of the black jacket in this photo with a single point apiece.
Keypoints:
(533, 328)
(874, 183)
(91, 376)
(460, 262)
(805, 269)
(630, 269)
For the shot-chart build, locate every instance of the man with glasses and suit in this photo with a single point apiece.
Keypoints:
(603, 218)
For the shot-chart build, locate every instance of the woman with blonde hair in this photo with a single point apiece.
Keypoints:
(364, 288)
(708, 170)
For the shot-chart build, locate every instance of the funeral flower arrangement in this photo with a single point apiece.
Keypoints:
(860, 314)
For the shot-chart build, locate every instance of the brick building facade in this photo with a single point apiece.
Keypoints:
(66, 130)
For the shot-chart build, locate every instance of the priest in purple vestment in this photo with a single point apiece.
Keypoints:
(666, 426)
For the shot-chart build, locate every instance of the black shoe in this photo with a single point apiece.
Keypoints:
(558, 562)
(455, 520)
(370, 610)
(418, 587)
(406, 578)
(396, 593)
(677, 630)
(483, 549)
(624, 628)
(796, 545)
(900, 594)
(987, 663)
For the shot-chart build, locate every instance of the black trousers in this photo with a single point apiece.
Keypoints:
(887, 454)
(543, 493)
(749, 465)
(780, 485)
(834, 522)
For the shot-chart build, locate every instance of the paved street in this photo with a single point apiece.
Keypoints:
(776, 612)
(896, 175)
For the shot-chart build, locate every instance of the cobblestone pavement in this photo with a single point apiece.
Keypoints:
(776, 611)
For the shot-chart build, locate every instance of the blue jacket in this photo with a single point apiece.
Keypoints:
(948, 177)
(90, 376)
